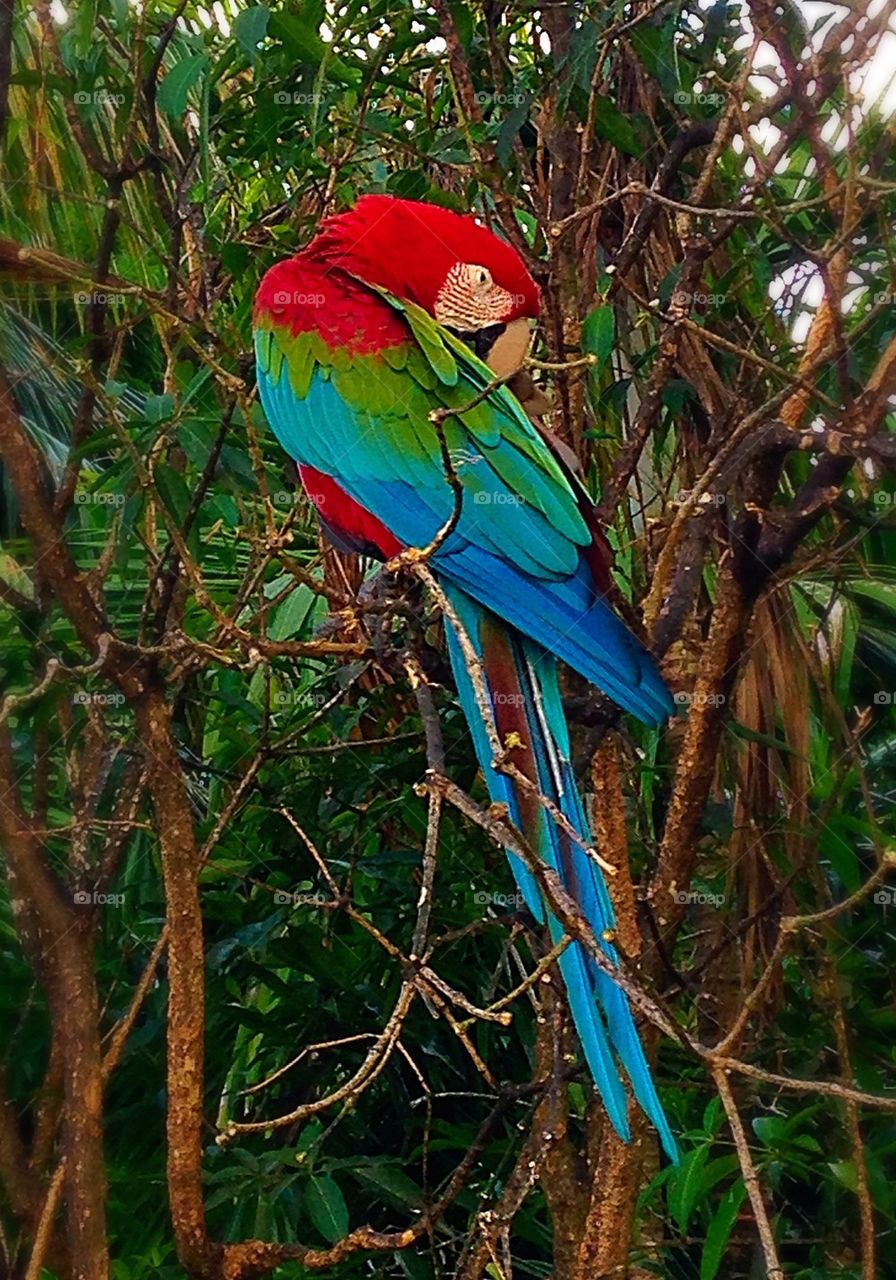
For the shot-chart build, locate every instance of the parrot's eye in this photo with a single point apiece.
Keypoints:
(480, 277)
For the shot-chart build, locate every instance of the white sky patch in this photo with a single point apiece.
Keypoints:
(798, 292)
(221, 17)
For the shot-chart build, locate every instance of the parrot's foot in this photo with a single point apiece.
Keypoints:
(384, 603)
(408, 559)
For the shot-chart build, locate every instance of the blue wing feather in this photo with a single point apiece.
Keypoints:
(563, 613)
(600, 1009)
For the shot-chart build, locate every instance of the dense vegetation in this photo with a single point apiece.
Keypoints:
(236, 1038)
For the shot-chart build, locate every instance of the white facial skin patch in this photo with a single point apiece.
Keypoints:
(469, 299)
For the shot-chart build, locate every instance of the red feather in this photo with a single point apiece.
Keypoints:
(304, 296)
(408, 247)
(346, 517)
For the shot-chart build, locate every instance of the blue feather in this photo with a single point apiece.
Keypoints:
(600, 1010)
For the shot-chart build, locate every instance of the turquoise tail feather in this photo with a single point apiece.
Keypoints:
(522, 684)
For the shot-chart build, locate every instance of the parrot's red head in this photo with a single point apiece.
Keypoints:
(447, 263)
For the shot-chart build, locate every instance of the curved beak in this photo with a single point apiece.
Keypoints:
(510, 348)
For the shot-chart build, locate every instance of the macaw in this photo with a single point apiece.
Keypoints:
(382, 319)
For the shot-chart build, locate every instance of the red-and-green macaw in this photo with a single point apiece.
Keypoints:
(381, 320)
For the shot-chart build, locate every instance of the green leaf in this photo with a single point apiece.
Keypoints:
(845, 1173)
(85, 23)
(610, 123)
(327, 1208)
(291, 616)
(391, 1180)
(510, 128)
(235, 257)
(172, 95)
(719, 1231)
(599, 334)
(685, 1186)
(174, 492)
(158, 408)
(250, 27)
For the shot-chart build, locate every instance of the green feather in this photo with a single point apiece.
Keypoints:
(298, 354)
(397, 357)
(263, 340)
(421, 370)
(429, 336)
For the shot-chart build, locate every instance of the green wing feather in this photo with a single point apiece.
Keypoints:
(520, 502)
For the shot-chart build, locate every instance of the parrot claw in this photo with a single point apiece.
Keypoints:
(407, 559)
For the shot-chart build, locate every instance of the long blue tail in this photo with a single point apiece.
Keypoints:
(522, 684)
